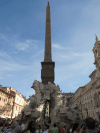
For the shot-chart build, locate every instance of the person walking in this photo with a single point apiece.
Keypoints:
(62, 127)
(90, 125)
(55, 129)
(45, 129)
(1, 127)
(38, 130)
(71, 128)
(11, 129)
(31, 127)
(75, 128)
(18, 129)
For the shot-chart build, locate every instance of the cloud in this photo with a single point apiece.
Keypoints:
(37, 54)
(76, 68)
(26, 44)
(58, 46)
(31, 40)
(3, 54)
(8, 66)
(22, 46)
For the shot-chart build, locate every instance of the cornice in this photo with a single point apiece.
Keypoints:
(92, 73)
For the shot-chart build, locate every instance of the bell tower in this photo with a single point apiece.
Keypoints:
(47, 71)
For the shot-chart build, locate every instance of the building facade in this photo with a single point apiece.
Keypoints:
(87, 97)
(11, 102)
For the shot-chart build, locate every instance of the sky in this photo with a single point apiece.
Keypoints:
(74, 24)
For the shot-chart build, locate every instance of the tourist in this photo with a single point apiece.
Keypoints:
(83, 127)
(75, 128)
(71, 128)
(4, 126)
(90, 125)
(11, 129)
(1, 127)
(46, 130)
(22, 127)
(99, 128)
(18, 128)
(55, 129)
(96, 127)
(7, 125)
(9, 121)
(38, 130)
(62, 127)
(31, 127)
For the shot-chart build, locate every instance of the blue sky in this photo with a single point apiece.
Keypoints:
(74, 24)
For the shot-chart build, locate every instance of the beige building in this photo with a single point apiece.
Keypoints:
(11, 102)
(87, 97)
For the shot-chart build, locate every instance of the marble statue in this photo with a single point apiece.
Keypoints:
(95, 54)
(60, 108)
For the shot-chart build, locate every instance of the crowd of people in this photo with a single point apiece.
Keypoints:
(8, 126)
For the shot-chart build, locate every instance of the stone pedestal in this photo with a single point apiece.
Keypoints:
(47, 72)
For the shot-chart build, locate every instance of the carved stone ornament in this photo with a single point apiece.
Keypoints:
(96, 99)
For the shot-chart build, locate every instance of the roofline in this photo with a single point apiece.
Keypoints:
(92, 73)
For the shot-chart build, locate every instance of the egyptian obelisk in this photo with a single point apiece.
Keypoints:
(47, 71)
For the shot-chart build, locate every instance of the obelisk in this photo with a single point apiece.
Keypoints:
(47, 71)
